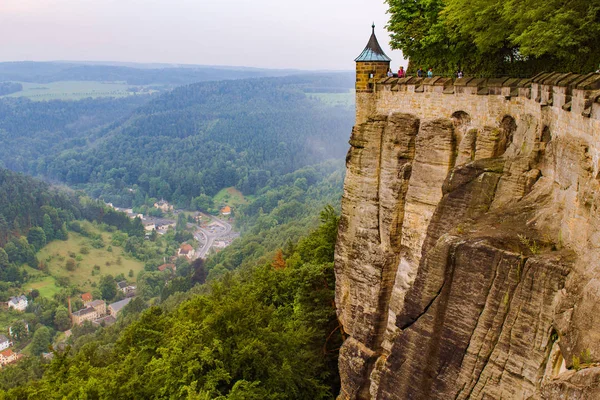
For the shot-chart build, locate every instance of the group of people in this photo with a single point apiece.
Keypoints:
(420, 73)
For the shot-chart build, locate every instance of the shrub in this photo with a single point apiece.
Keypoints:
(70, 265)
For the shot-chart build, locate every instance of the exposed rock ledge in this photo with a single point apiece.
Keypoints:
(467, 260)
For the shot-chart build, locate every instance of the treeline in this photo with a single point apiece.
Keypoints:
(44, 72)
(490, 38)
(32, 214)
(266, 332)
(9, 88)
(192, 141)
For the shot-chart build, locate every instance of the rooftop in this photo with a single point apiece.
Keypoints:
(165, 266)
(117, 306)
(15, 300)
(106, 321)
(96, 303)
(84, 311)
(373, 51)
(3, 339)
(86, 297)
(186, 248)
(122, 284)
(7, 353)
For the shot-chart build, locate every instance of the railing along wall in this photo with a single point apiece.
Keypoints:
(572, 92)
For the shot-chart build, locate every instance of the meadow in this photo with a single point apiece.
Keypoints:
(230, 196)
(77, 90)
(90, 263)
(335, 99)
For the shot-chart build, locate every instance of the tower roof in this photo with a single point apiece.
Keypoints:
(373, 51)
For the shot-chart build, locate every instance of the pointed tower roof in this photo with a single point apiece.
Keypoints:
(373, 51)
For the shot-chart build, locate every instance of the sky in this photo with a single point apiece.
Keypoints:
(302, 34)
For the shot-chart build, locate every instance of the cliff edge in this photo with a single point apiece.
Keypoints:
(467, 260)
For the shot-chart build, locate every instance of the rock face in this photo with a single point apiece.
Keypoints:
(467, 260)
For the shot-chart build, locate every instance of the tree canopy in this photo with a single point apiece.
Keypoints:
(488, 37)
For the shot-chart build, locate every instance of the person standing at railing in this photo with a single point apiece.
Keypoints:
(390, 74)
(420, 72)
(430, 73)
(401, 72)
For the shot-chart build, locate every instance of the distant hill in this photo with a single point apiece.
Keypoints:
(196, 139)
(132, 74)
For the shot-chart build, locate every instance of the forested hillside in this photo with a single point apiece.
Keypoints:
(194, 140)
(266, 332)
(33, 214)
(32, 131)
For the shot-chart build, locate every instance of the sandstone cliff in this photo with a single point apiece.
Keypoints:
(468, 255)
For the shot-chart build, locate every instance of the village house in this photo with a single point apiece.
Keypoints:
(164, 206)
(7, 356)
(126, 288)
(149, 225)
(225, 211)
(186, 250)
(94, 310)
(87, 298)
(163, 267)
(5, 343)
(18, 303)
(116, 307)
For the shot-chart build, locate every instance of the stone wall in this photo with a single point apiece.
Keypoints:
(466, 261)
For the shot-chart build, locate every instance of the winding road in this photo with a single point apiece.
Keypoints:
(208, 237)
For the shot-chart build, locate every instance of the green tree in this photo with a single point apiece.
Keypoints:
(40, 343)
(70, 265)
(3, 259)
(489, 37)
(48, 228)
(19, 330)
(62, 320)
(36, 237)
(181, 223)
(108, 287)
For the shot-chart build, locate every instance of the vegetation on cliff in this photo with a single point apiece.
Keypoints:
(489, 37)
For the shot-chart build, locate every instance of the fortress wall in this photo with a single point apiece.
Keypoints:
(438, 291)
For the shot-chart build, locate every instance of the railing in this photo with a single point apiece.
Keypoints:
(571, 92)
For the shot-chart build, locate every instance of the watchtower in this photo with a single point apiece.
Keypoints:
(371, 65)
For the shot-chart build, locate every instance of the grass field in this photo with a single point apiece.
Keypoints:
(74, 90)
(58, 252)
(335, 99)
(230, 196)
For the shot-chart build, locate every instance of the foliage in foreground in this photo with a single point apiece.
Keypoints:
(264, 333)
(489, 37)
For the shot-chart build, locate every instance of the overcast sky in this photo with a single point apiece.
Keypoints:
(306, 34)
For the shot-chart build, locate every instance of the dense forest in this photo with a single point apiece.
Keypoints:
(192, 141)
(134, 74)
(489, 37)
(10, 87)
(268, 331)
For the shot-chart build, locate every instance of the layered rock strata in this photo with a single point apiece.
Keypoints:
(467, 261)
